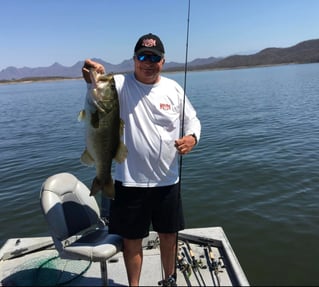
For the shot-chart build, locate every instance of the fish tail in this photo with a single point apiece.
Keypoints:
(95, 187)
(107, 188)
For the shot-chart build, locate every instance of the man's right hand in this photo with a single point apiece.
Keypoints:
(89, 64)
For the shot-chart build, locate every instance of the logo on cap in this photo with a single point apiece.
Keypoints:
(149, 43)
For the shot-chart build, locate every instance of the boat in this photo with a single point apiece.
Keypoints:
(95, 258)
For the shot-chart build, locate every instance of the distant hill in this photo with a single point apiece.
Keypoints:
(303, 52)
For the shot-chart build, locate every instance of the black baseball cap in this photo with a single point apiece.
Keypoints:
(150, 43)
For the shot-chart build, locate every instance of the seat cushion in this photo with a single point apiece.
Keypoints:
(97, 245)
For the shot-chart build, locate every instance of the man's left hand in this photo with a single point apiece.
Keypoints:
(185, 144)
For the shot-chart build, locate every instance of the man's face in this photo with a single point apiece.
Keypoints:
(148, 67)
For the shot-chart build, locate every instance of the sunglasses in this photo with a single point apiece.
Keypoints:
(152, 58)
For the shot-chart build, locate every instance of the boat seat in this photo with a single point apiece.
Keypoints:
(73, 217)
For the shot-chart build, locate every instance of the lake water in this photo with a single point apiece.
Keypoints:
(255, 171)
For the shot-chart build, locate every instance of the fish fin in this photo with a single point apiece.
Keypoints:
(81, 115)
(107, 189)
(86, 158)
(95, 187)
(121, 152)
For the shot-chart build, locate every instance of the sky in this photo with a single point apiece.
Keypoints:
(39, 33)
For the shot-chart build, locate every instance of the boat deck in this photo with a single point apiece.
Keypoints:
(35, 262)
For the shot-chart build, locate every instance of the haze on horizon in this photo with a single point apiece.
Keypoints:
(38, 33)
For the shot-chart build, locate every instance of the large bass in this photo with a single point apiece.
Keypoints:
(103, 131)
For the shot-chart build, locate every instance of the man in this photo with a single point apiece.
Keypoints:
(147, 182)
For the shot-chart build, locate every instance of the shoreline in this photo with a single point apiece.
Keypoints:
(52, 78)
(40, 79)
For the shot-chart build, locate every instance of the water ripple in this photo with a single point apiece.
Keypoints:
(254, 171)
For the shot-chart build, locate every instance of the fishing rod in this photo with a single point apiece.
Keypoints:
(212, 264)
(185, 78)
(184, 267)
(192, 266)
(182, 126)
(195, 264)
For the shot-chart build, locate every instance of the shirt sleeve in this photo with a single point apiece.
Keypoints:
(191, 122)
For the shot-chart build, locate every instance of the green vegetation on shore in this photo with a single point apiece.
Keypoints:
(36, 79)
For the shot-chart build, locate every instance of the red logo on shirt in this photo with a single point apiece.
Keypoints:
(165, 107)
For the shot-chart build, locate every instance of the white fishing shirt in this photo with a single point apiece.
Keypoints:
(152, 116)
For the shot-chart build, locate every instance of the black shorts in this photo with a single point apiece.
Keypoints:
(134, 209)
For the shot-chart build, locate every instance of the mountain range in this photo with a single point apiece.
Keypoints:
(303, 52)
